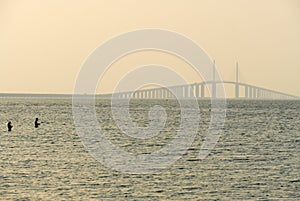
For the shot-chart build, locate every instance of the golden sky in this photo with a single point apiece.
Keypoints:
(44, 43)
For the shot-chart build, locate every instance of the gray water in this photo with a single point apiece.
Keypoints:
(257, 157)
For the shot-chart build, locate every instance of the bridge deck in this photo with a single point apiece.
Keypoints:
(197, 90)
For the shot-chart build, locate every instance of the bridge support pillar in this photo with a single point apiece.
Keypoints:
(163, 93)
(181, 95)
(258, 93)
(254, 93)
(202, 90)
(237, 90)
(197, 90)
(250, 92)
(246, 92)
(214, 90)
(192, 91)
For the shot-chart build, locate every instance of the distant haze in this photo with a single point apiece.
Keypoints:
(44, 43)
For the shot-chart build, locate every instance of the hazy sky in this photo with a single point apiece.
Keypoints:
(44, 43)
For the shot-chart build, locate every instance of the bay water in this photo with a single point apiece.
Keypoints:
(256, 158)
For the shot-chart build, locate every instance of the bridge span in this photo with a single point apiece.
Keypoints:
(199, 90)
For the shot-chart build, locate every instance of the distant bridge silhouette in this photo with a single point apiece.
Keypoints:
(197, 90)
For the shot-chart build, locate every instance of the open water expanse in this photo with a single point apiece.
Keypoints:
(257, 157)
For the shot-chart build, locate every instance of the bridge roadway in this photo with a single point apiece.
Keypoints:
(197, 90)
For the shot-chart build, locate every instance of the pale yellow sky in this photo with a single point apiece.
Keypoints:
(44, 43)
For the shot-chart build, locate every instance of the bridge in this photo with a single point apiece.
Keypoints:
(199, 90)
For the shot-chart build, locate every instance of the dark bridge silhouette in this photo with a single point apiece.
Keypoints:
(198, 90)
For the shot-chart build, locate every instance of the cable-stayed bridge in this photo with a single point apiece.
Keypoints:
(206, 89)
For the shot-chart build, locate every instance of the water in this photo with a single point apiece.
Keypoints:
(257, 157)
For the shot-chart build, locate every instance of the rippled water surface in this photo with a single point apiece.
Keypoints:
(257, 157)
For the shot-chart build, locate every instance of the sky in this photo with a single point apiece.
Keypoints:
(43, 44)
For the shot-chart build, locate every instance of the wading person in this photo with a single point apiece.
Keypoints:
(9, 126)
(36, 123)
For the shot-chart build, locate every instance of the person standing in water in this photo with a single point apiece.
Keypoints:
(9, 126)
(36, 123)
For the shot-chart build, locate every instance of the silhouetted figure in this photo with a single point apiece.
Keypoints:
(36, 123)
(9, 126)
